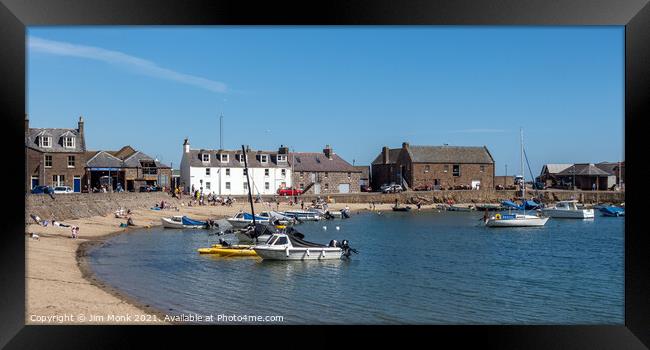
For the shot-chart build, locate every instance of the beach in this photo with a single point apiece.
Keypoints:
(60, 287)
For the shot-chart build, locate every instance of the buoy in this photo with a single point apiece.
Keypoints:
(337, 228)
(324, 227)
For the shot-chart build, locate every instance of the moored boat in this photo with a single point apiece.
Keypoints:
(180, 222)
(612, 211)
(569, 210)
(282, 246)
(229, 250)
(303, 215)
(515, 220)
(241, 220)
(407, 208)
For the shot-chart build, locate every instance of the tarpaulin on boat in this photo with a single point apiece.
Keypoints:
(187, 221)
(248, 216)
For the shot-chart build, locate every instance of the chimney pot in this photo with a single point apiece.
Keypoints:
(405, 145)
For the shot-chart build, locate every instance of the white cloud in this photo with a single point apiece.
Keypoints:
(140, 65)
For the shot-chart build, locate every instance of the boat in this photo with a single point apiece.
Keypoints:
(227, 250)
(274, 217)
(242, 220)
(302, 215)
(259, 233)
(407, 208)
(569, 210)
(517, 220)
(612, 211)
(460, 208)
(283, 246)
(183, 222)
(489, 207)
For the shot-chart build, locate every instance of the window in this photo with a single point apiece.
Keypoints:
(283, 172)
(48, 161)
(326, 174)
(58, 180)
(227, 185)
(302, 186)
(227, 172)
(68, 142)
(327, 187)
(207, 185)
(148, 167)
(46, 141)
(482, 168)
(267, 185)
(446, 169)
(456, 170)
(349, 175)
(224, 158)
(264, 158)
(70, 161)
(245, 186)
(281, 240)
(282, 158)
(266, 172)
(245, 171)
(205, 157)
(302, 174)
(427, 168)
(207, 171)
(240, 157)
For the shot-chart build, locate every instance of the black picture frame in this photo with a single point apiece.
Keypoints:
(15, 15)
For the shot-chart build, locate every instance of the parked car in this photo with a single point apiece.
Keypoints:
(63, 189)
(289, 192)
(42, 190)
(150, 188)
(393, 189)
(366, 188)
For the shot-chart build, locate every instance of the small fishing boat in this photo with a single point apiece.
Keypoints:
(183, 222)
(515, 220)
(612, 211)
(303, 215)
(569, 210)
(274, 216)
(283, 246)
(407, 208)
(242, 220)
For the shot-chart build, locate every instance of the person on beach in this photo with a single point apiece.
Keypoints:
(129, 221)
(419, 205)
(302, 204)
(75, 232)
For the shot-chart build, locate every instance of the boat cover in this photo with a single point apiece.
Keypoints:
(187, 221)
(248, 216)
(611, 210)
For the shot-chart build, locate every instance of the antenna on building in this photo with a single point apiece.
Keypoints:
(221, 131)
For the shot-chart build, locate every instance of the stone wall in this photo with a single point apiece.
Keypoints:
(329, 181)
(36, 167)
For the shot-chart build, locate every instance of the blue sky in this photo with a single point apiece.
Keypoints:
(355, 88)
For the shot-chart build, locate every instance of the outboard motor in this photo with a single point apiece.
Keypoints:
(333, 243)
(345, 246)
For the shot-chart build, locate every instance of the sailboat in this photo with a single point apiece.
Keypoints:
(517, 220)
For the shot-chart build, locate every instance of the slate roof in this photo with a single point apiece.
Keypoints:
(393, 154)
(253, 158)
(609, 167)
(31, 140)
(450, 154)
(365, 171)
(108, 159)
(317, 161)
(124, 152)
(555, 168)
(104, 159)
(134, 160)
(583, 169)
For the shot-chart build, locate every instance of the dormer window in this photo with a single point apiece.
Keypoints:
(224, 158)
(46, 141)
(264, 158)
(205, 157)
(68, 142)
(240, 157)
(282, 158)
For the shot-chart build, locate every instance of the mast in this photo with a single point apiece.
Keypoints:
(250, 197)
(221, 131)
(523, 175)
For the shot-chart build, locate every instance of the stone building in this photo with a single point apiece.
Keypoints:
(127, 168)
(324, 172)
(435, 167)
(55, 156)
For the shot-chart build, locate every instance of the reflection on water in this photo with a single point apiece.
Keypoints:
(425, 267)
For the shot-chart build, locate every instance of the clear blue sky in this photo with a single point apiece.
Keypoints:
(356, 88)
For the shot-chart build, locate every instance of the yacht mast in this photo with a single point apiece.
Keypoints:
(523, 175)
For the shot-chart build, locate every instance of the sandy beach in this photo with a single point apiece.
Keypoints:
(60, 287)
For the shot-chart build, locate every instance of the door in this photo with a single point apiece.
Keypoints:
(476, 184)
(77, 184)
(317, 188)
(344, 188)
(34, 181)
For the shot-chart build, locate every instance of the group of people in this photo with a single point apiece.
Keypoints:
(74, 229)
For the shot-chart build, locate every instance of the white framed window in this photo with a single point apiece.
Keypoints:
(267, 185)
(456, 170)
(207, 171)
(68, 142)
(205, 157)
(326, 174)
(349, 175)
(207, 185)
(227, 171)
(58, 180)
(245, 171)
(245, 186)
(224, 158)
(46, 141)
(264, 158)
(283, 172)
(48, 161)
(302, 175)
(240, 157)
(227, 185)
(266, 172)
(427, 168)
(71, 161)
(282, 158)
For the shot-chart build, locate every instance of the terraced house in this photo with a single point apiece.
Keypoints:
(55, 156)
(324, 172)
(434, 167)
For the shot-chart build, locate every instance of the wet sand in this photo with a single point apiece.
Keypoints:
(61, 288)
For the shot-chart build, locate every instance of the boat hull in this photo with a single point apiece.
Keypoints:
(569, 214)
(313, 253)
(169, 223)
(523, 222)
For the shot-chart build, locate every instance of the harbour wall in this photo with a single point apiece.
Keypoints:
(81, 205)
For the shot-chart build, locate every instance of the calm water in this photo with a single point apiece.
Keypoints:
(421, 267)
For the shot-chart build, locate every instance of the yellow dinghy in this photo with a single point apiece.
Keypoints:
(234, 250)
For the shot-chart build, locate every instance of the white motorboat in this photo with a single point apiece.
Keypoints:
(181, 222)
(515, 220)
(284, 247)
(274, 216)
(569, 210)
(304, 215)
(242, 220)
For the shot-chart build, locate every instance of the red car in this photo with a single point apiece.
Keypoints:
(289, 192)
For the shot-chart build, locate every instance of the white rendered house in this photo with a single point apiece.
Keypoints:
(222, 171)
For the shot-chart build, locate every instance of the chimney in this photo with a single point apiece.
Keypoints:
(405, 145)
(328, 151)
(386, 155)
(80, 126)
(248, 148)
(283, 150)
(186, 146)
(26, 123)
